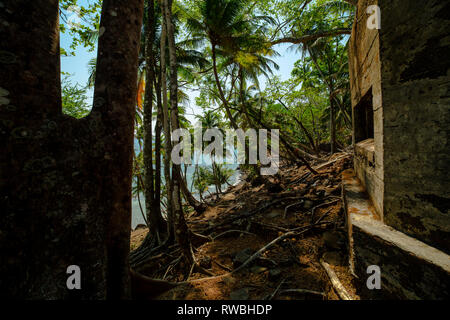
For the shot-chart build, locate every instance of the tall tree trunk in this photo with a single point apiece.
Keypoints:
(253, 167)
(153, 214)
(305, 131)
(198, 206)
(65, 183)
(332, 98)
(293, 151)
(219, 88)
(158, 128)
(166, 126)
(332, 127)
(181, 229)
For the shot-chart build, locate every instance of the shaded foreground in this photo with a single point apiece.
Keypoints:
(246, 219)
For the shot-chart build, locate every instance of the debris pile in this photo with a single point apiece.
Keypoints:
(275, 240)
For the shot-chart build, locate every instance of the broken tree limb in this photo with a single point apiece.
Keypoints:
(302, 291)
(245, 215)
(323, 165)
(248, 214)
(323, 205)
(223, 266)
(312, 37)
(230, 231)
(286, 235)
(337, 285)
(324, 215)
(270, 244)
(289, 206)
(287, 145)
(271, 227)
(276, 290)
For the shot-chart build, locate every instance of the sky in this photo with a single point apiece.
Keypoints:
(77, 67)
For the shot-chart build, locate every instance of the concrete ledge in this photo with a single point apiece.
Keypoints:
(410, 269)
(366, 148)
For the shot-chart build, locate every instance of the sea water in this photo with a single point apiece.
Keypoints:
(137, 217)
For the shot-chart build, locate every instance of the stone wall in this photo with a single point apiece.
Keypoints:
(415, 84)
(365, 77)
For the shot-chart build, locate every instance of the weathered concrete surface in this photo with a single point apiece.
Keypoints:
(356, 201)
(410, 269)
(415, 84)
(365, 79)
(404, 70)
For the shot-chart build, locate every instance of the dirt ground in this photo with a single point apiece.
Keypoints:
(290, 269)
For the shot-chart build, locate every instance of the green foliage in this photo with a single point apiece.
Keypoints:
(81, 22)
(202, 180)
(74, 98)
(242, 34)
(217, 175)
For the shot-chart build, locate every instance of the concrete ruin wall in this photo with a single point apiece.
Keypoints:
(415, 80)
(365, 77)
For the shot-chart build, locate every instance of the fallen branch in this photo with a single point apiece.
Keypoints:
(230, 231)
(262, 250)
(243, 216)
(276, 290)
(222, 266)
(324, 215)
(301, 179)
(323, 165)
(271, 226)
(303, 291)
(323, 205)
(290, 206)
(337, 285)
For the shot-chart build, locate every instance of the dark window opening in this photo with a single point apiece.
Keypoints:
(363, 114)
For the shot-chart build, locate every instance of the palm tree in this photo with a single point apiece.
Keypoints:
(210, 120)
(330, 62)
(227, 28)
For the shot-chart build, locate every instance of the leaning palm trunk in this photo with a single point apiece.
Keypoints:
(198, 206)
(219, 88)
(254, 167)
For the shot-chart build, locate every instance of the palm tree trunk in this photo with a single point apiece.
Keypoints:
(167, 135)
(331, 91)
(181, 228)
(198, 206)
(332, 127)
(158, 129)
(152, 215)
(294, 152)
(219, 88)
(254, 167)
(302, 126)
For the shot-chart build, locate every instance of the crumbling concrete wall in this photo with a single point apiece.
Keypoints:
(365, 77)
(415, 84)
